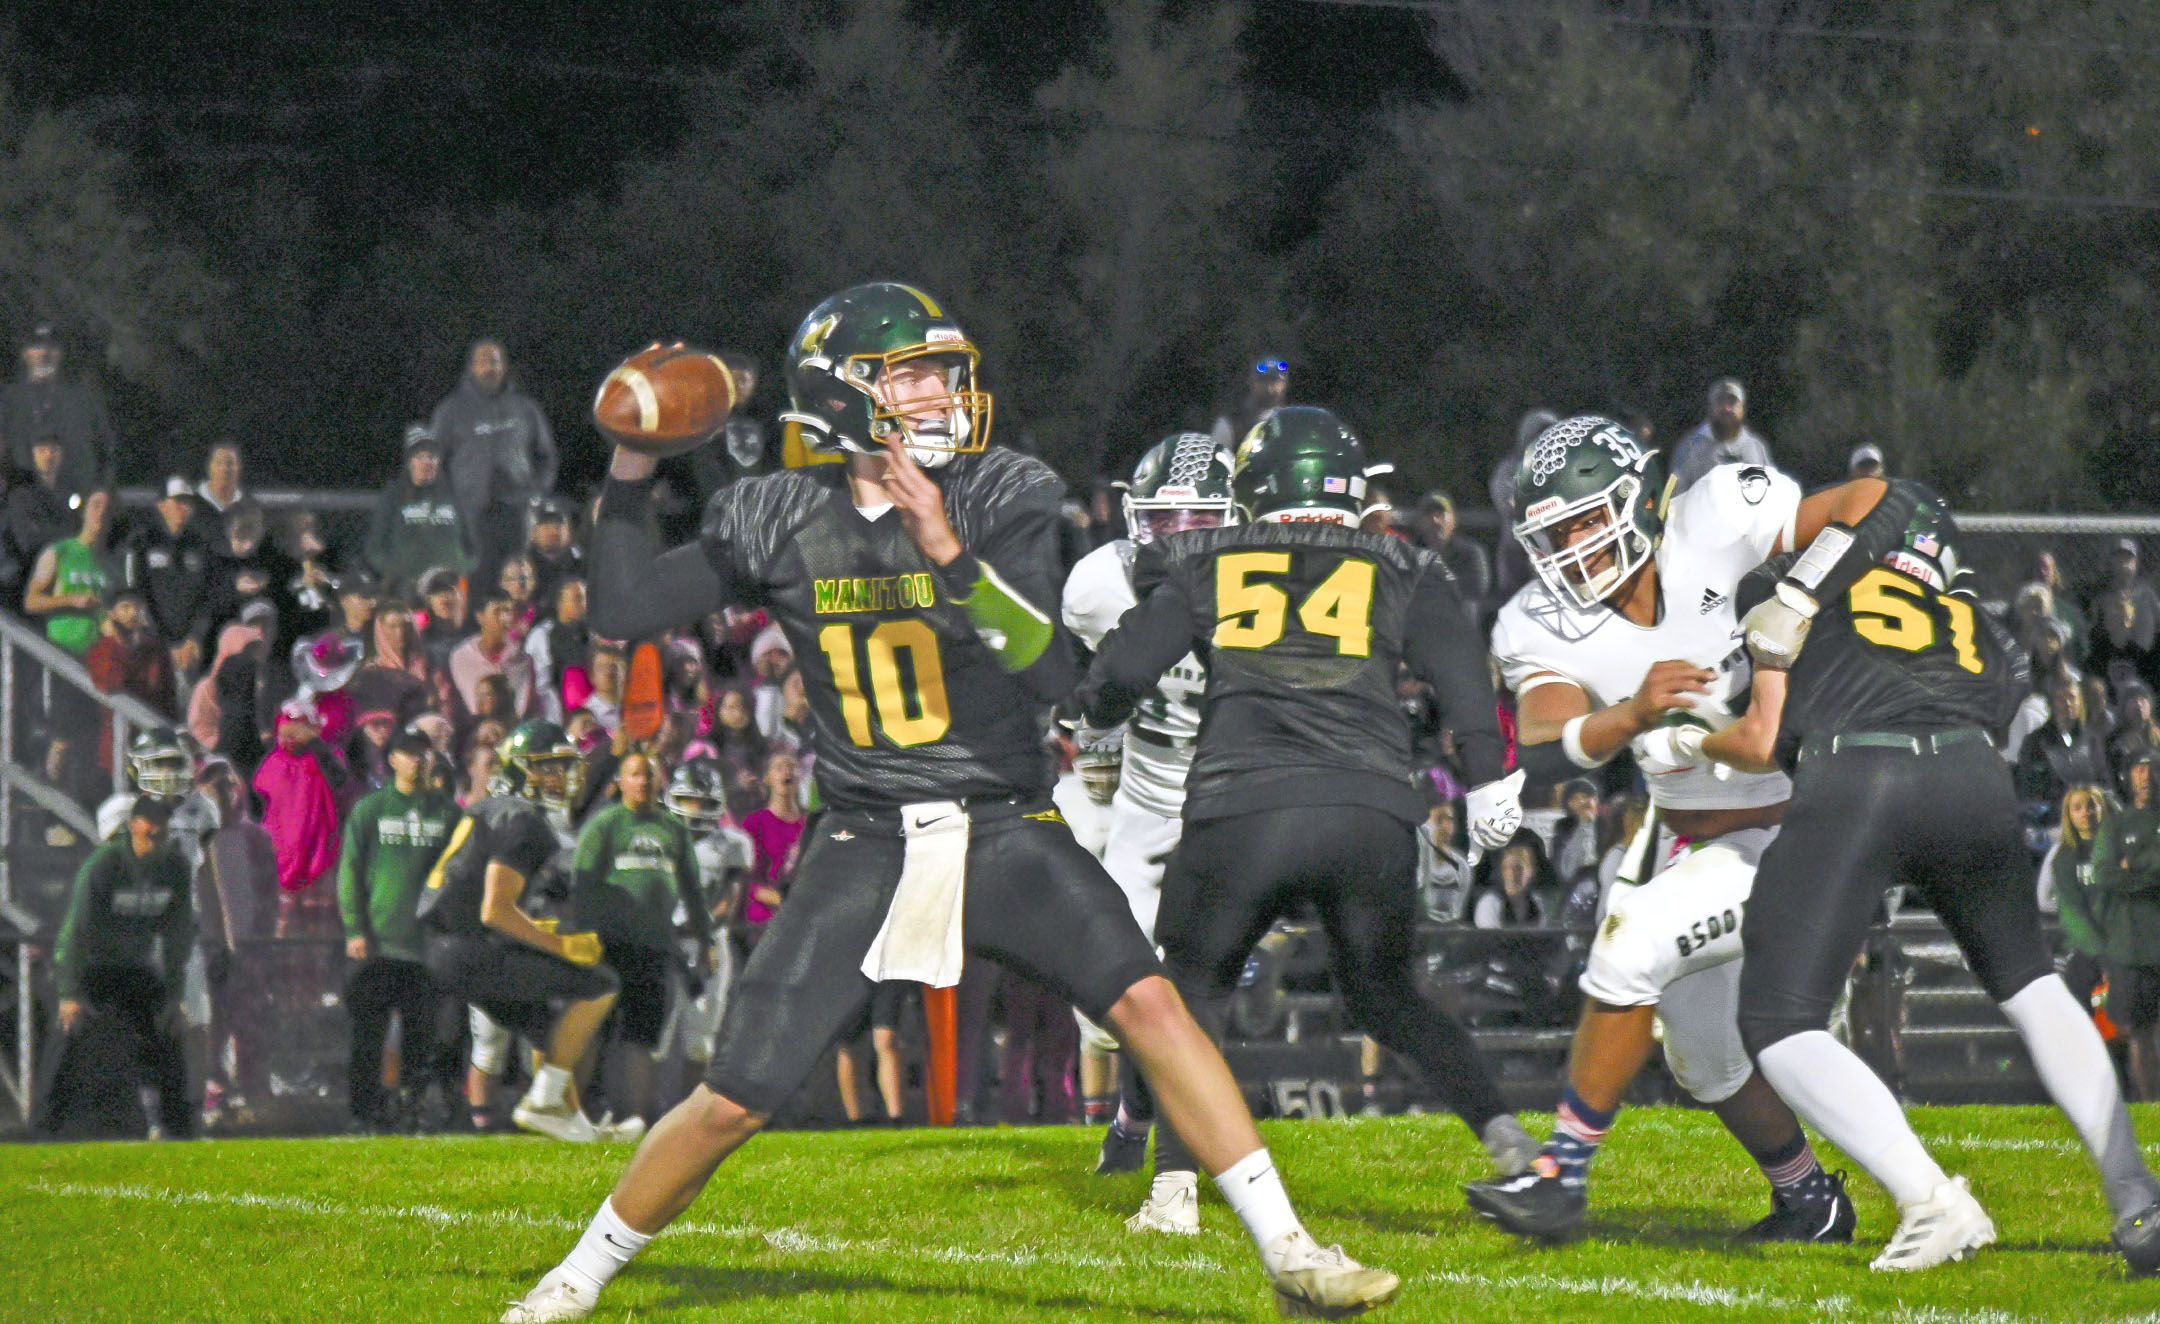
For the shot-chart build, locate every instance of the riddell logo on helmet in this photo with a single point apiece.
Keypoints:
(1180, 493)
(1307, 517)
(943, 335)
(1540, 509)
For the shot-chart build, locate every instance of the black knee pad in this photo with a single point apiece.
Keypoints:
(1758, 1031)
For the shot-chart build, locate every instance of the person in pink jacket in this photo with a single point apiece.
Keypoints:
(298, 782)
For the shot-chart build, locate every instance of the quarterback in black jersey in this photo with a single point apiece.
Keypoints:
(916, 584)
(1887, 719)
(483, 948)
(1302, 786)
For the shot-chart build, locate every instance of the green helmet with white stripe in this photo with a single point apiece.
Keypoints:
(1589, 507)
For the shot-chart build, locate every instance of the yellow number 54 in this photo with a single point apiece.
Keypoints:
(1254, 614)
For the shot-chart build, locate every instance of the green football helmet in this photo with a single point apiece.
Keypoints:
(837, 366)
(1929, 552)
(1301, 463)
(162, 762)
(1573, 470)
(540, 763)
(1183, 482)
(697, 795)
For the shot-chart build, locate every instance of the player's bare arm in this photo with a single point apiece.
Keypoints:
(1749, 743)
(499, 910)
(1543, 713)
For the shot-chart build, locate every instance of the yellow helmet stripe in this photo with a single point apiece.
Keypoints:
(929, 304)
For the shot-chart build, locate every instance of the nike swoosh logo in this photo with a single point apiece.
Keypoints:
(1265, 1172)
(609, 1238)
(922, 823)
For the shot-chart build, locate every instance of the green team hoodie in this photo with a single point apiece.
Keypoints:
(631, 870)
(122, 905)
(392, 840)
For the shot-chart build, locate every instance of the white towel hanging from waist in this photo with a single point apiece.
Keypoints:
(921, 937)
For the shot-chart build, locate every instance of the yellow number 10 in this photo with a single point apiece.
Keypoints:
(907, 719)
(1254, 615)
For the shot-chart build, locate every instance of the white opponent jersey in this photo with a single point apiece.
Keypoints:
(1165, 725)
(1715, 533)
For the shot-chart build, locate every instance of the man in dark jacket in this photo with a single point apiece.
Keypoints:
(2066, 751)
(417, 524)
(118, 962)
(167, 560)
(39, 513)
(499, 450)
(2125, 884)
(40, 407)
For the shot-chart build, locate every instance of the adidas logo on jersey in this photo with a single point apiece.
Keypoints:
(1712, 600)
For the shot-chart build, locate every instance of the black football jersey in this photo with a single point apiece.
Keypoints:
(907, 701)
(1896, 654)
(502, 827)
(1305, 629)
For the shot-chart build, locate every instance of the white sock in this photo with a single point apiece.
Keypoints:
(551, 1085)
(1834, 1092)
(1255, 1191)
(2073, 1064)
(606, 1247)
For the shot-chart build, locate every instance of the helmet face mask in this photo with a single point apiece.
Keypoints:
(1590, 508)
(540, 764)
(162, 763)
(1182, 482)
(842, 384)
(696, 795)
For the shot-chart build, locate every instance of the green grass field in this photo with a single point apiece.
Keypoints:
(898, 1227)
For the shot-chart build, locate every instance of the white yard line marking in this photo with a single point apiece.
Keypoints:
(796, 1241)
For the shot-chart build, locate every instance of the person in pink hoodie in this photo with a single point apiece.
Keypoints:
(298, 782)
(203, 715)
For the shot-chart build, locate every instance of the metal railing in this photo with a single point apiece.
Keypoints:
(27, 659)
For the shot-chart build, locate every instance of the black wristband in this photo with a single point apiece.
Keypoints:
(626, 499)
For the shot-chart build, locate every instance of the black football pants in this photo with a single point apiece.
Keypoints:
(1862, 820)
(376, 988)
(1233, 877)
(132, 1014)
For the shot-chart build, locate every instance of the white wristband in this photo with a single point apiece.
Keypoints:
(1571, 744)
(1821, 555)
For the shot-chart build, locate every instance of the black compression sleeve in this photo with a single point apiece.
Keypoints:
(637, 590)
(1148, 640)
(1877, 534)
(1444, 649)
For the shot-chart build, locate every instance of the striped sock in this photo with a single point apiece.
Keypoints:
(1578, 1130)
(1792, 1167)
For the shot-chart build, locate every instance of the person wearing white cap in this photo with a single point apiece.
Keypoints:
(1723, 437)
(1866, 462)
(168, 560)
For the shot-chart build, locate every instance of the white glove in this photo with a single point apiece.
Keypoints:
(1099, 758)
(1494, 812)
(1669, 749)
(1778, 625)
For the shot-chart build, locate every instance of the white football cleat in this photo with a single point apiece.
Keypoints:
(563, 1122)
(558, 1297)
(1942, 1227)
(1320, 1282)
(1172, 1206)
(628, 1131)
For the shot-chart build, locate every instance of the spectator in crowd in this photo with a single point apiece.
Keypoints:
(740, 744)
(40, 513)
(42, 407)
(481, 763)
(241, 565)
(1266, 386)
(776, 829)
(2125, 888)
(240, 874)
(367, 752)
(417, 525)
(770, 661)
(2125, 616)
(1575, 840)
(69, 583)
(220, 488)
(392, 840)
(880, 1021)
(2038, 610)
(2066, 751)
(1511, 564)
(516, 582)
(1443, 877)
(494, 709)
(359, 595)
(634, 865)
(604, 701)
(2098, 711)
(1866, 461)
(205, 715)
(742, 450)
(299, 782)
(561, 651)
(2135, 730)
(2065, 889)
(1515, 887)
(1437, 528)
(168, 560)
(392, 676)
(554, 553)
(1042, 1042)
(1626, 823)
(129, 658)
(499, 449)
(793, 730)
(2062, 599)
(123, 945)
(442, 594)
(1721, 438)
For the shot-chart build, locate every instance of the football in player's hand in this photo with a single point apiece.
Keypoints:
(665, 399)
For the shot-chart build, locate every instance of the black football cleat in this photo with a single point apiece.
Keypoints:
(1122, 1151)
(1529, 1205)
(1824, 1214)
(2137, 1236)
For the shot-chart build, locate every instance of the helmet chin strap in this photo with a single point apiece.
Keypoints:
(933, 457)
